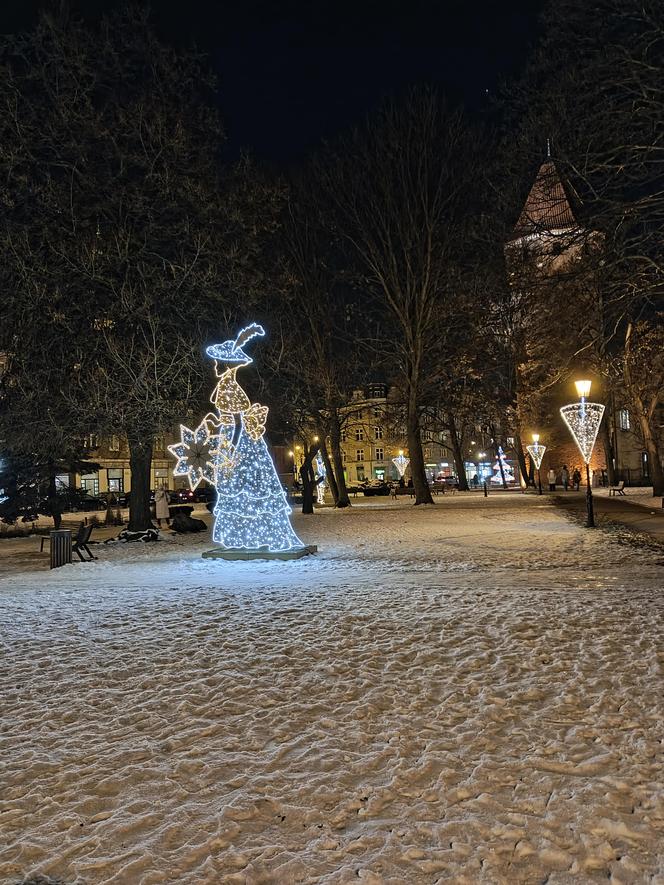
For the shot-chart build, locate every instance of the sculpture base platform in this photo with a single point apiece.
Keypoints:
(261, 553)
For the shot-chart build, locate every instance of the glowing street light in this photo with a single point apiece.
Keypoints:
(536, 452)
(583, 420)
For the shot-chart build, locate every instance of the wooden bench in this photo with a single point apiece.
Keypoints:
(617, 490)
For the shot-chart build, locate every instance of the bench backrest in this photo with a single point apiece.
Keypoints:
(83, 533)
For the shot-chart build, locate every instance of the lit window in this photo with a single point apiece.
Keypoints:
(379, 453)
(359, 454)
(378, 432)
(359, 434)
(623, 419)
(114, 444)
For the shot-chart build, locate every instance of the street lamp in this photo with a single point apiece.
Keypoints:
(536, 452)
(583, 420)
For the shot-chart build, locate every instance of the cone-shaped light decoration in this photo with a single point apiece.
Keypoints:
(583, 420)
(536, 452)
(401, 463)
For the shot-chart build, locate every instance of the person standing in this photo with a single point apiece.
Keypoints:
(552, 480)
(576, 479)
(564, 476)
(161, 506)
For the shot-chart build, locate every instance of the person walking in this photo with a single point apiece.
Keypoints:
(552, 480)
(564, 476)
(161, 506)
(576, 479)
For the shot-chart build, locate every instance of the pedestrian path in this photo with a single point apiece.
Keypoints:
(634, 515)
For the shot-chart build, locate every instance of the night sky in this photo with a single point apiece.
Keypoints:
(294, 73)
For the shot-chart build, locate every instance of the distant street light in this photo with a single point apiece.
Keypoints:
(536, 452)
(583, 420)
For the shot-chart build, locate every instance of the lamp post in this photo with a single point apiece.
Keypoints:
(583, 420)
(536, 452)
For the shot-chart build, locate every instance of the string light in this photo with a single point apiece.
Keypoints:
(228, 449)
(583, 420)
(401, 463)
(536, 452)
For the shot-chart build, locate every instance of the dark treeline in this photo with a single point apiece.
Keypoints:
(128, 243)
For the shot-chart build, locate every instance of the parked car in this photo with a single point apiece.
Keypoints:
(86, 502)
(181, 496)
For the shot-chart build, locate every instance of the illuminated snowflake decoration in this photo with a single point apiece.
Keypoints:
(536, 452)
(401, 463)
(583, 420)
(196, 453)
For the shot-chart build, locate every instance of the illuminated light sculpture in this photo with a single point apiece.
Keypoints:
(506, 472)
(401, 463)
(321, 476)
(536, 452)
(583, 420)
(228, 449)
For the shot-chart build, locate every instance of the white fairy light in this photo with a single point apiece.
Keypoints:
(322, 472)
(536, 452)
(583, 420)
(401, 463)
(228, 449)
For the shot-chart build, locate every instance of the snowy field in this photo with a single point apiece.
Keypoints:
(469, 692)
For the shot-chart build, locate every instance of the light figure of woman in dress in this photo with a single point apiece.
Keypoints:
(251, 510)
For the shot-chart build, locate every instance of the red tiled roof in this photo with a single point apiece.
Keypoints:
(547, 207)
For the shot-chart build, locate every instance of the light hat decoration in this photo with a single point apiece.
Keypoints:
(231, 351)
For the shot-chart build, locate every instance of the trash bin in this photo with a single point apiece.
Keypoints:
(60, 547)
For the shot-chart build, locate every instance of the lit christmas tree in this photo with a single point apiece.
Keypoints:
(321, 475)
(507, 471)
(228, 449)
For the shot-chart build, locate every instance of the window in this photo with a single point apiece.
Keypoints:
(343, 457)
(159, 443)
(90, 483)
(343, 436)
(115, 479)
(623, 419)
(359, 434)
(360, 473)
(91, 441)
(377, 412)
(114, 444)
(359, 454)
(379, 453)
(377, 391)
(378, 432)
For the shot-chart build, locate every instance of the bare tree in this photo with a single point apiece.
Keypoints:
(400, 187)
(118, 211)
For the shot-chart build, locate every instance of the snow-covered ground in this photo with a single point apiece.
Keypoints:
(469, 692)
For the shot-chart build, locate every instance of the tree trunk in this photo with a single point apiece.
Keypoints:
(652, 447)
(521, 459)
(330, 478)
(140, 460)
(337, 461)
(417, 469)
(605, 432)
(457, 454)
(308, 481)
(53, 502)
